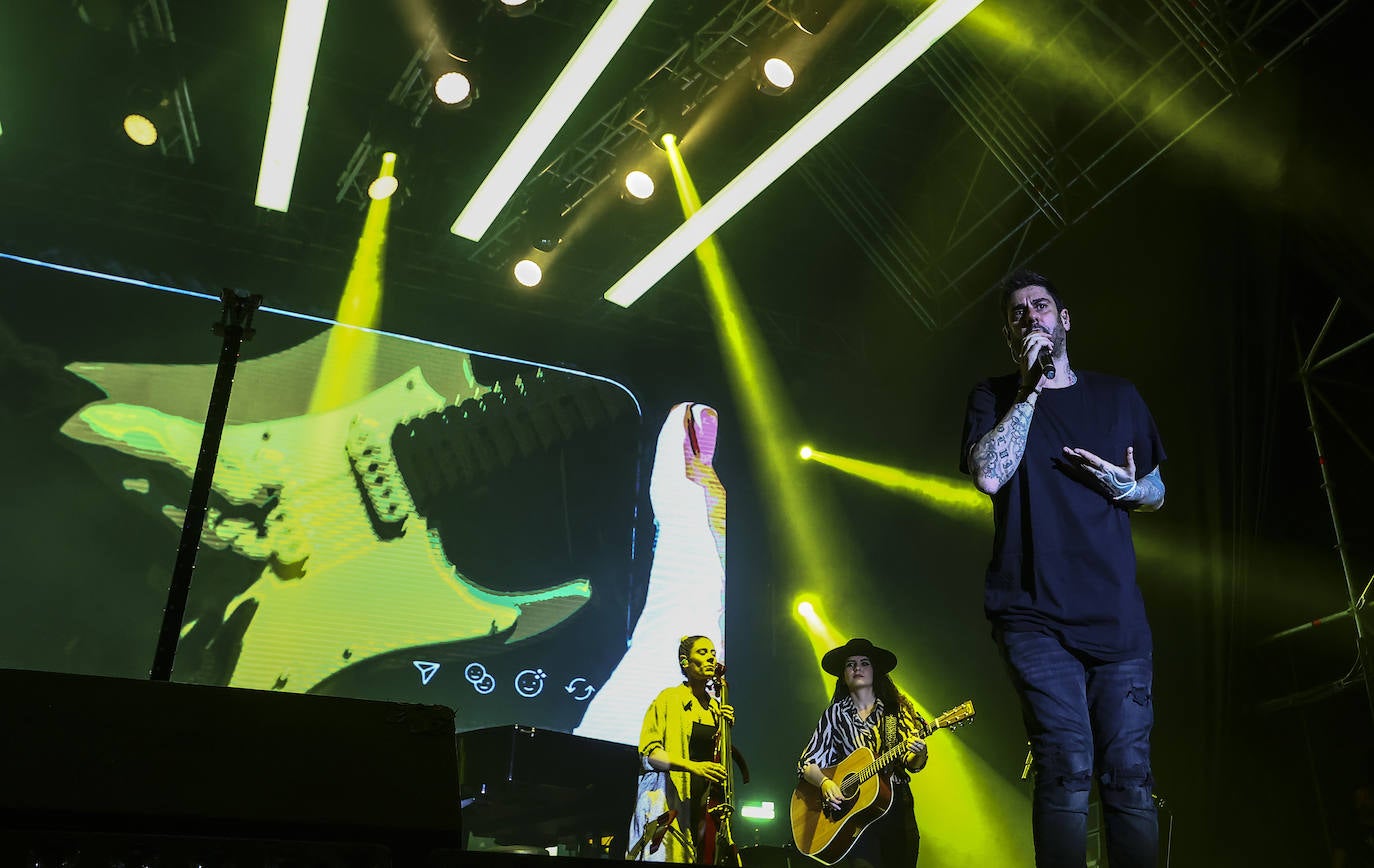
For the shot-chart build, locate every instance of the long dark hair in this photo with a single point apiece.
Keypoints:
(885, 690)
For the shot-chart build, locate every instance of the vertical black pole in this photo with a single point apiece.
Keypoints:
(235, 326)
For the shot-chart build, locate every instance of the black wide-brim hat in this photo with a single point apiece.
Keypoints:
(883, 660)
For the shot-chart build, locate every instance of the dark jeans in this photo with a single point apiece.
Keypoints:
(893, 841)
(1086, 718)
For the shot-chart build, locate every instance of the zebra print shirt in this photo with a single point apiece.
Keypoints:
(841, 731)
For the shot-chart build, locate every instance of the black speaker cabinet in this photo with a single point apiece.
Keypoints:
(89, 755)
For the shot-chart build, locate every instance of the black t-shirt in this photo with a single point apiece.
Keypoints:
(1062, 556)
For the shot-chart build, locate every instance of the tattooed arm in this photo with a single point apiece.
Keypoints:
(1149, 493)
(997, 454)
(1118, 482)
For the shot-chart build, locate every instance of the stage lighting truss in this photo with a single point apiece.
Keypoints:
(698, 66)
(150, 31)
(1059, 167)
(411, 98)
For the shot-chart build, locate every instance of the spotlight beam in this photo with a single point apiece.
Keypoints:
(587, 63)
(815, 538)
(950, 495)
(822, 120)
(300, 46)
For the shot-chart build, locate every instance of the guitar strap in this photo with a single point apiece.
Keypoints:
(889, 734)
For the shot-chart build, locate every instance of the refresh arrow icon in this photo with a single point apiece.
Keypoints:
(580, 689)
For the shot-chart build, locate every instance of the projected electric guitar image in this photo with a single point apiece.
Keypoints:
(350, 568)
(826, 833)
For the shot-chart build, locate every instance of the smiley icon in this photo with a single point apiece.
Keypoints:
(530, 682)
(481, 680)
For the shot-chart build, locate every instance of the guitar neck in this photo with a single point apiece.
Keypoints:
(891, 755)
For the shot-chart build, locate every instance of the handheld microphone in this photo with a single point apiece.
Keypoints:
(1045, 359)
(1046, 362)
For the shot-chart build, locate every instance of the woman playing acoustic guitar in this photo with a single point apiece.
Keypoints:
(867, 712)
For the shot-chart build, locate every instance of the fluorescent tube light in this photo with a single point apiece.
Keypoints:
(300, 45)
(858, 89)
(587, 63)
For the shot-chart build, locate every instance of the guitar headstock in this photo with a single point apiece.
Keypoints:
(955, 717)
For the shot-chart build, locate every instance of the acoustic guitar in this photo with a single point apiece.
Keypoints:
(826, 833)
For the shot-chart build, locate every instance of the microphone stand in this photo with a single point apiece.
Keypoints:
(235, 326)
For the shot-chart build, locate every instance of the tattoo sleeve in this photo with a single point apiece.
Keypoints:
(1149, 492)
(995, 457)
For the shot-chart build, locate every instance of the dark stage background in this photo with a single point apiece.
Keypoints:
(1195, 281)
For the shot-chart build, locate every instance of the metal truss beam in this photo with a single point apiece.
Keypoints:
(698, 65)
(150, 24)
(1190, 58)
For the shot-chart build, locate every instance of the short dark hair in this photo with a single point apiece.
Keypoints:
(1022, 278)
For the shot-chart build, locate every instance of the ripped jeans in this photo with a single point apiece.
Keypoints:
(1086, 718)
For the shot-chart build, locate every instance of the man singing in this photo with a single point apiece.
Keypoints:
(1067, 456)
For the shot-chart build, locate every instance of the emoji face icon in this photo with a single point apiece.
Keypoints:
(481, 680)
(530, 682)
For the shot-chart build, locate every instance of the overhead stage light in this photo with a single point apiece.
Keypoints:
(835, 109)
(150, 114)
(528, 272)
(518, 8)
(385, 184)
(811, 16)
(774, 76)
(383, 187)
(639, 185)
(454, 88)
(805, 452)
(141, 126)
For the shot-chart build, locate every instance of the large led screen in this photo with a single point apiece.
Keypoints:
(389, 519)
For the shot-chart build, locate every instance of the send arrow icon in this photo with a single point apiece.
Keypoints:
(427, 670)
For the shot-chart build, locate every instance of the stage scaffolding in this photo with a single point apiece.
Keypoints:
(1357, 589)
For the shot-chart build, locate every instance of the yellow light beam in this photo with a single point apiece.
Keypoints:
(1099, 76)
(822, 638)
(955, 496)
(813, 537)
(351, 348)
